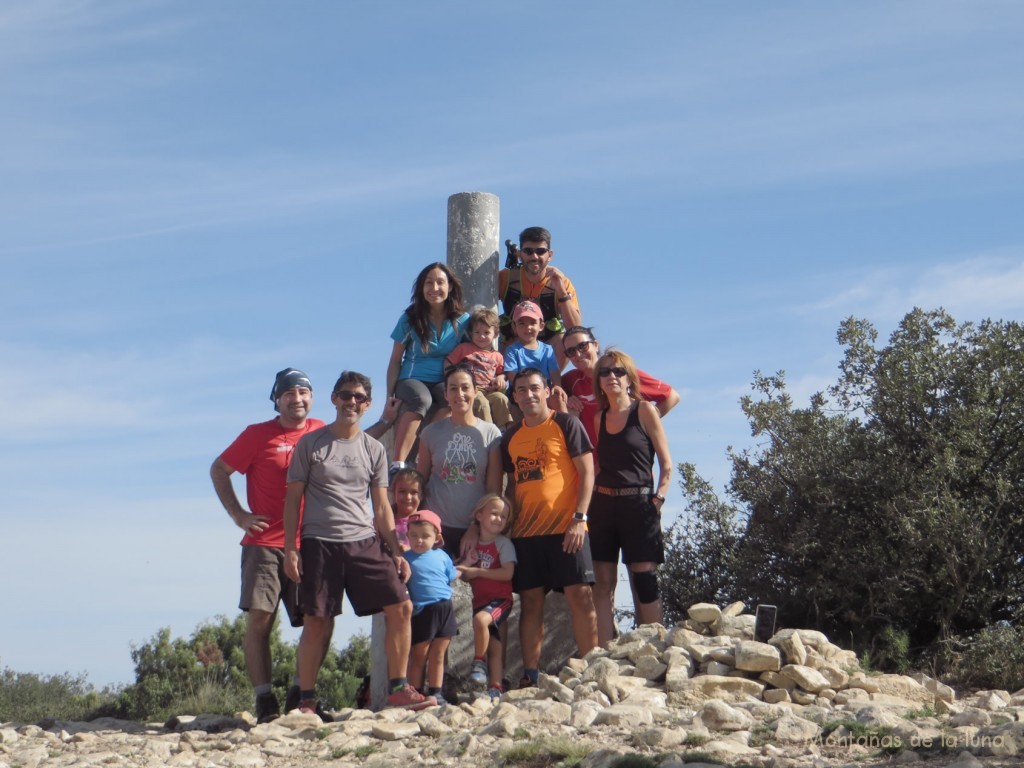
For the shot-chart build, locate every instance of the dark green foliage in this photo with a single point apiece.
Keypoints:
(991, 658)
(28, 698)
(894, 500)
(700, 550)
(207, 673)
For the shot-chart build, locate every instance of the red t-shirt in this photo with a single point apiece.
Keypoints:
(486, 364)
(262, 453)
(578, 383)
(491, 556)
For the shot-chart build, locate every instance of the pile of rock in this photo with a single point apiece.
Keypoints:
(702, 690)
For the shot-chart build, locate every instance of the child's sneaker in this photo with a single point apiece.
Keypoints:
(408, 697)
(478, 673)
(495, 692)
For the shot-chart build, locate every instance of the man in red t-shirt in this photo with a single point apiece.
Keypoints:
(262, 453)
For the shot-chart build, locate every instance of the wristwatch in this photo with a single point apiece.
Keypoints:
(659, 497)
(579, 517)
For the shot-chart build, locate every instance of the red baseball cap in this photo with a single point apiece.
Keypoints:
(426, 516)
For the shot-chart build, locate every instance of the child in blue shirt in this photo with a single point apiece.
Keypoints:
(430, 587)
(528, 351)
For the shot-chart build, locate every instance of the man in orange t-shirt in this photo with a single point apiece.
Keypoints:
(547, 456)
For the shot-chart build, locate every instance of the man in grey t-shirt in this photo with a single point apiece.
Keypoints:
(348, 542)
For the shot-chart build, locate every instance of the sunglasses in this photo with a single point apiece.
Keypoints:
(345, 395)
(616, 372)
(572, 351)
(532, 251)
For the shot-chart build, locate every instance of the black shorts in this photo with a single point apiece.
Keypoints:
(543, 563)
(452, 540)
(435, 620)
(628, 523)
(264, 583)
(499, 610)
(362, 568)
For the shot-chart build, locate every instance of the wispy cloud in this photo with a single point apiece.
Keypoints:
(988, 285)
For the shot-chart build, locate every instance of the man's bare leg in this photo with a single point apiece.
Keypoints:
(580, 600)
(313, 644)
(531, 626)
(397, 637)
(257, 646)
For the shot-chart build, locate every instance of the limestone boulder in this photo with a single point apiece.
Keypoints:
(705, 613)
(752, 656)
(810, 680)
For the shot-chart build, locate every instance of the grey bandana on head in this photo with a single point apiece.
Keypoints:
(288, 378)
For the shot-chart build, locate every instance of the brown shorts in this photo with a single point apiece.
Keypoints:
(264, 583)
(362, 568)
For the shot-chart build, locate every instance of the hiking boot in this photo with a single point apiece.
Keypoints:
(266, 708)
(292, 698)
(408, 697)
(526, 682)
(478, 673)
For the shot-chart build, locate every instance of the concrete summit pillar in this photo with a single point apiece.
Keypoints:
(473, 237)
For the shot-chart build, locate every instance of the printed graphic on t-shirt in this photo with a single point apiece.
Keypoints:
(460, 464)
(346, 461)
(486, 558)
(532, 467)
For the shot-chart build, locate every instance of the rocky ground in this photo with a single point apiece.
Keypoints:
(701, 693)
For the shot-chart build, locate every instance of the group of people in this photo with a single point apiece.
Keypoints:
(576, 455)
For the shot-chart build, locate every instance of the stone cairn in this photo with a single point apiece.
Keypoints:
(702, 692)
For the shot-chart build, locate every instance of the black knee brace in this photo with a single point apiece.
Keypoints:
(646, 585)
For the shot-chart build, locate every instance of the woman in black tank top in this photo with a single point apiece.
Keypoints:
(625, 511)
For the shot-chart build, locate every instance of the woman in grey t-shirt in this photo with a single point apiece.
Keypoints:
(460, 458)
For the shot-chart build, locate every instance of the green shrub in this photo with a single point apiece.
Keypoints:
(206, 672)
(546, 752)
(990, 658)
(27, 698)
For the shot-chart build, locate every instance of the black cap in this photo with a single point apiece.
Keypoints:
(286, 379)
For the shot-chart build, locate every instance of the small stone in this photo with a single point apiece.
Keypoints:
(802, 697)
(809, 679)
(583, 713)
(624, 715)
(719, 716)
(776, 695)
(650, 668)
(733, 609)
(790, 729)
(387, 731)
(662, 738)
(705, 613)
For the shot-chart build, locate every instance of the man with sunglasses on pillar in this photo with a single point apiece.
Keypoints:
(348, 543)
(537, 280)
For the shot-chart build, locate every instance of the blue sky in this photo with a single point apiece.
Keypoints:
(195, 195)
